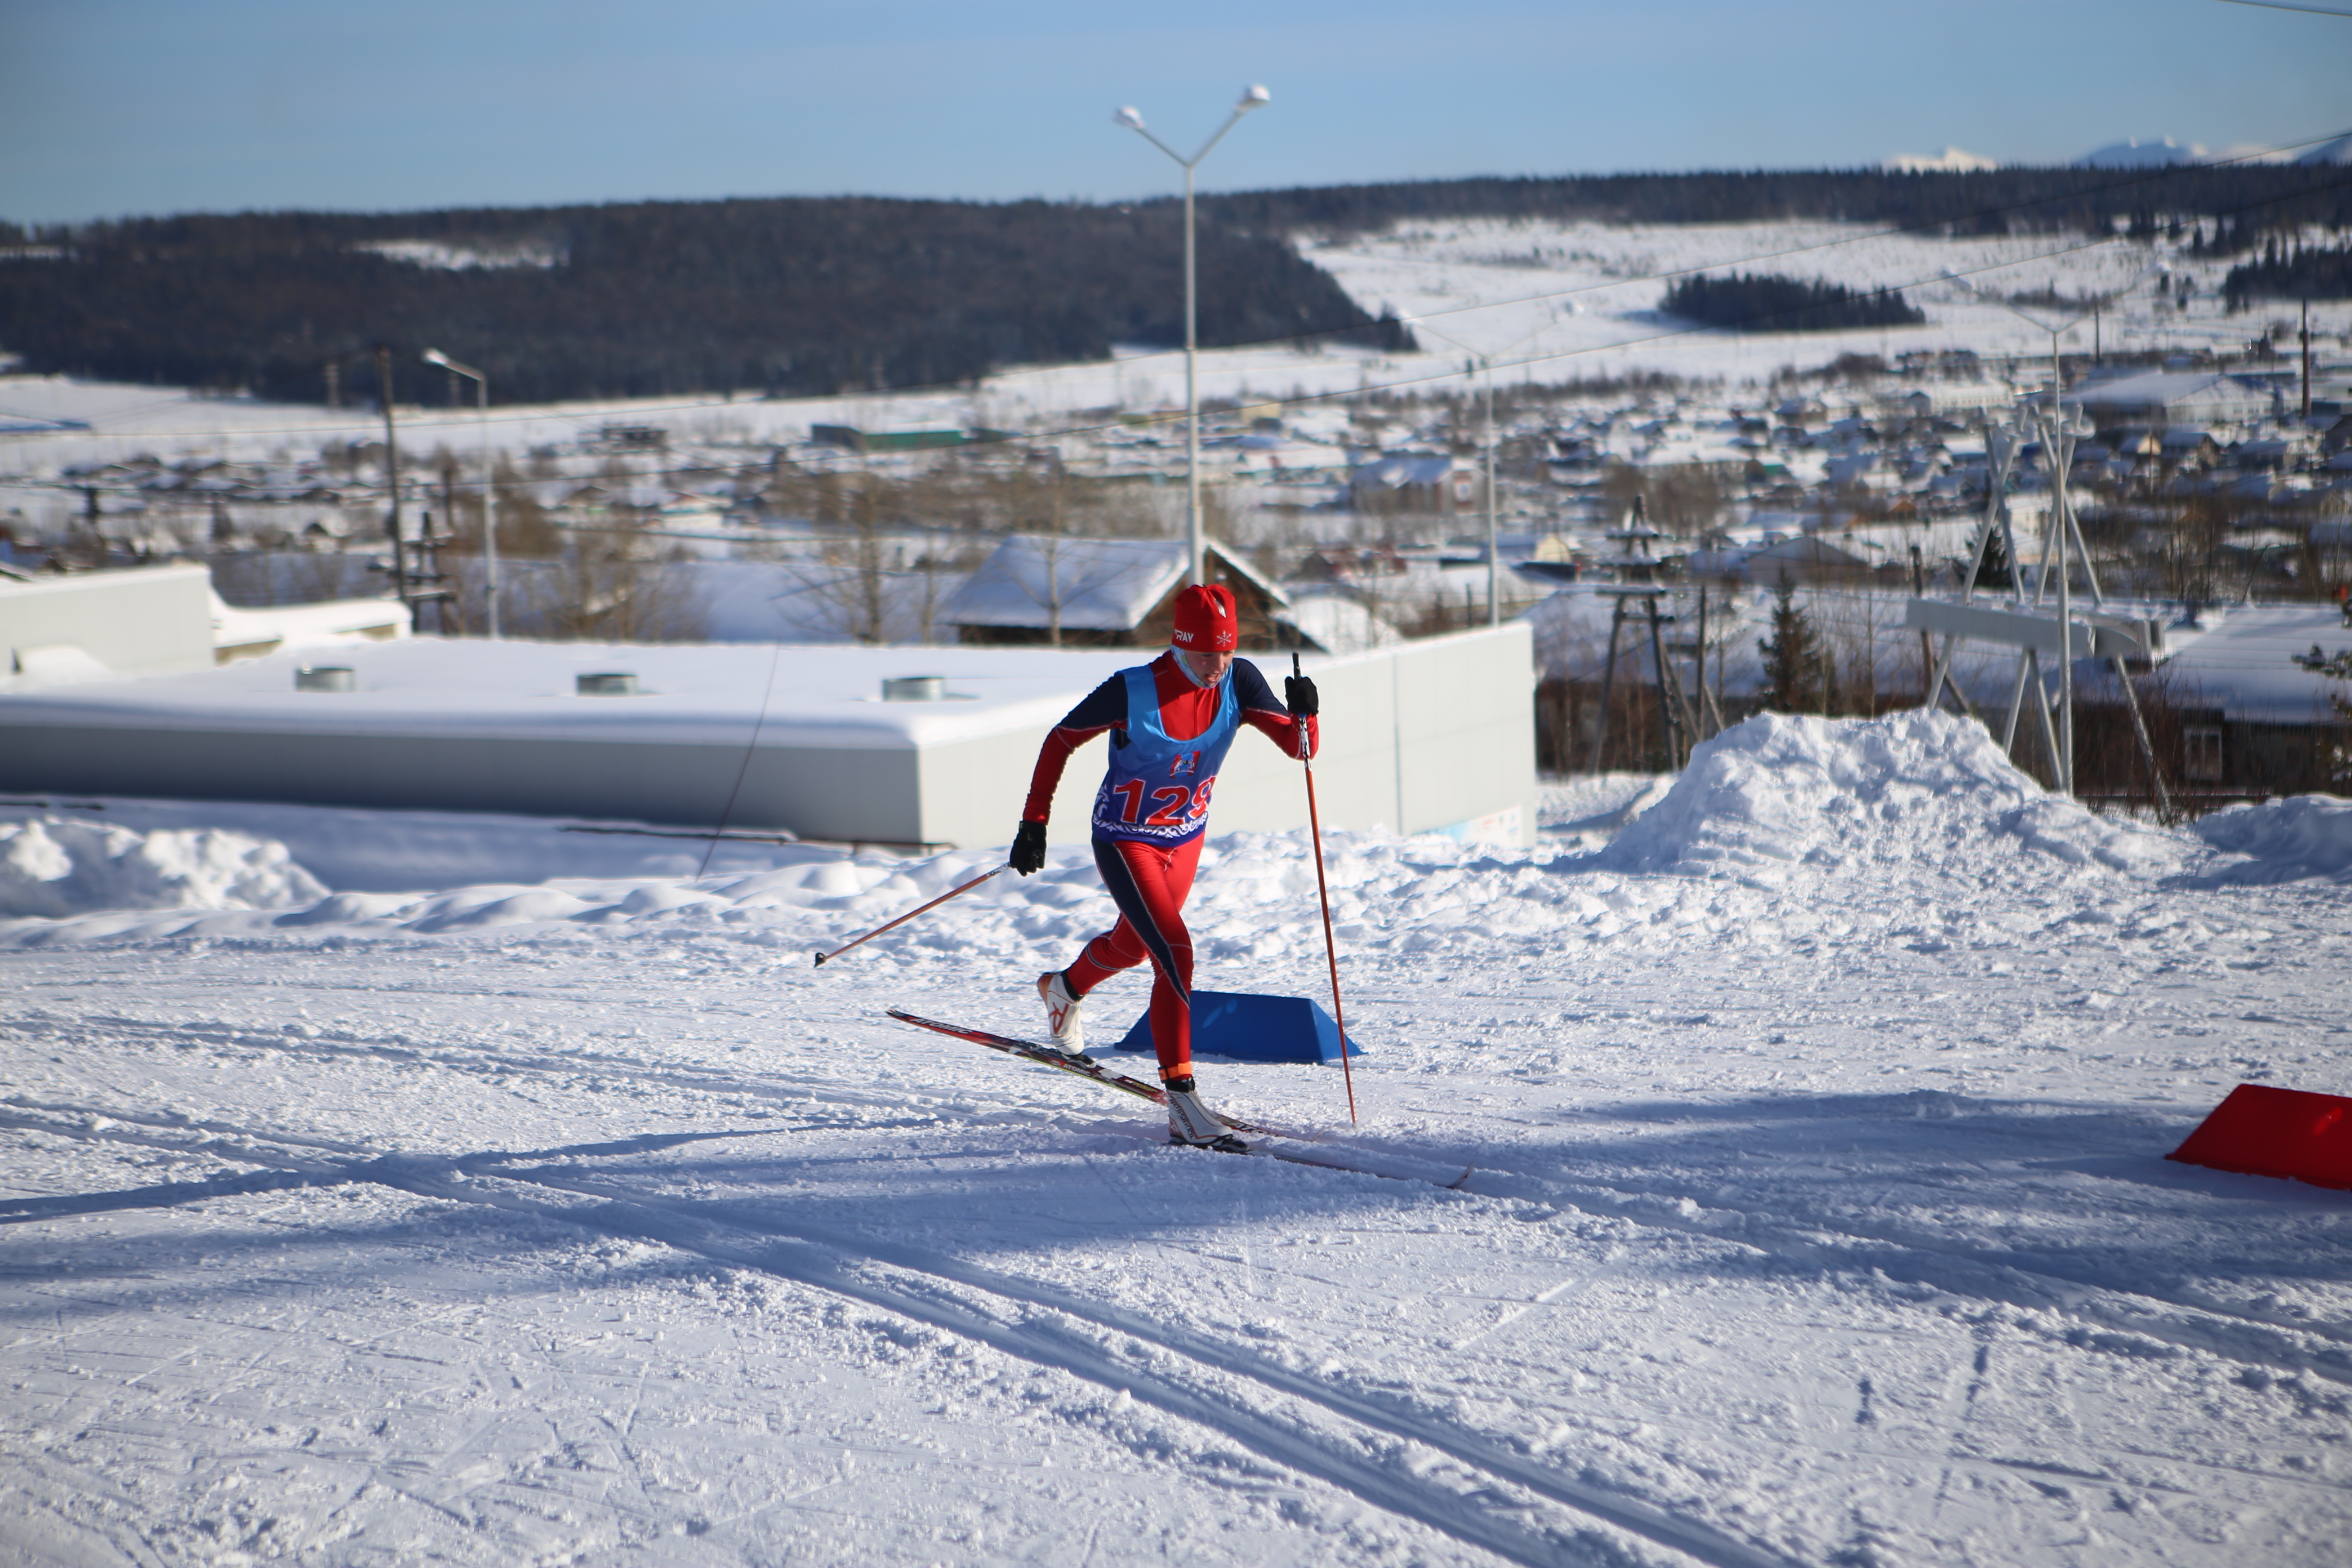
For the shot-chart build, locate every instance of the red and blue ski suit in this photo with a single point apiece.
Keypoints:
(1169, 739)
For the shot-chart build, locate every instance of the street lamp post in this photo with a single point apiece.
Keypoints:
(490, 482)
(1196, 534)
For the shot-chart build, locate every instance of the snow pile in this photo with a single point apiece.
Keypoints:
(1579, 815)
(1783, 830)
(2284, 840)
(57, 866)
(1923, 789)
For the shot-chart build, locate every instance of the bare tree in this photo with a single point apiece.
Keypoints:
(616, 582)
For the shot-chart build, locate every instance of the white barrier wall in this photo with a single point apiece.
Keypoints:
(140, 621)
(1428, 736)
(1435, 735)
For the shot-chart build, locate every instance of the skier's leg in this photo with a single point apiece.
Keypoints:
(1064, 991)
(1148, 885)
(1116, 949)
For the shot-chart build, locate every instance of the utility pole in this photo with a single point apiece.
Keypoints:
(392, 480)
(2306, 364)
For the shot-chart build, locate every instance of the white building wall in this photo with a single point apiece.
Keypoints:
(1435, 735)
(147, 620)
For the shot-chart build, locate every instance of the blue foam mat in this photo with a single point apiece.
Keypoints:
(1244, 1027)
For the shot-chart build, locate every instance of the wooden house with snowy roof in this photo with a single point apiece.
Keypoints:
(1107, 593)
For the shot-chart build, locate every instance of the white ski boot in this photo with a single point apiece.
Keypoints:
(1062, 1017)
(1192, 1125)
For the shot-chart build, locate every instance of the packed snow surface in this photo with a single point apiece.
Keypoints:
(2306, 836)
(1813, 1108)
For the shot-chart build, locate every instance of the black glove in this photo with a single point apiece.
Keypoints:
(1298, 696)
(1029, 848)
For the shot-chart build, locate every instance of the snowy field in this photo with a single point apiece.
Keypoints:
(1556, 302)
(1816, 1110)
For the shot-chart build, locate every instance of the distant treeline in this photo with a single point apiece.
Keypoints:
(2303, 273)
(1765, 303)
(1976, 202)
(788, 296)
(2257, 197)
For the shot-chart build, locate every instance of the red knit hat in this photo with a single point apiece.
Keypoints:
(1204, 619)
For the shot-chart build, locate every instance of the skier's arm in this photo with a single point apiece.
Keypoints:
(1104, 707)
(1263, 712)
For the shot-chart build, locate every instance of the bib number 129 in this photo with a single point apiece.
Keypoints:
(1172, 805)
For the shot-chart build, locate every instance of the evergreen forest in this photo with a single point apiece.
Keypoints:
(1765, 303)
(2314, 272)
(779, 297)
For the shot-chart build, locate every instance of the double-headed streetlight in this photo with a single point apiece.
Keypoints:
(489, 481)
(2058, 452)
(1196, 535)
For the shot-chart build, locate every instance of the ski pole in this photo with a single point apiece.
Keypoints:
(1331, 946)
(910, 914)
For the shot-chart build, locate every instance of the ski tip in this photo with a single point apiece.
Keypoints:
(819, 961)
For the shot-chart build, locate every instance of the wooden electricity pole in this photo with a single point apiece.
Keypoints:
(392, 480)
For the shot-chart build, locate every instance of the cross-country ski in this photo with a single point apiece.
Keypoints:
(1280, 1144)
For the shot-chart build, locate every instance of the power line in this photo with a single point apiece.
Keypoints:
(2281, 6)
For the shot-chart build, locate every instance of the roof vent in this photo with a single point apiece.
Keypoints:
(325, 678)
(915, 688)
(608, 683)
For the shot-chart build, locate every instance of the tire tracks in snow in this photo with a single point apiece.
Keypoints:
(1054, 1333)
(724, 1233)
(489, 1061)
(1045, 1326)
(1816, 1242)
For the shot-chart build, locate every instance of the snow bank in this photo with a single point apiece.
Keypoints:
(1779, 792)
(1782, 830)
(57, 866)
(2282, 840)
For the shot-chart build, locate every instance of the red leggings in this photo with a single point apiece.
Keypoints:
(1149, 884)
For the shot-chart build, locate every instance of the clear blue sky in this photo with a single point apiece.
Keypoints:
(116, 107)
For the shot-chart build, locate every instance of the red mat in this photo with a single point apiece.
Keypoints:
(2263, 1132)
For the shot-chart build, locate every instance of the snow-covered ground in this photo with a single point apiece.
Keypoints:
(1818, 1215)
(1555, 302)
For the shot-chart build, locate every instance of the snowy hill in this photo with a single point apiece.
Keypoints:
(545, 1203)
(2157, 153)
(1951, 160)
(2337, 151)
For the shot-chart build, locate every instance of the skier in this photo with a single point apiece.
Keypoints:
(1171, 722)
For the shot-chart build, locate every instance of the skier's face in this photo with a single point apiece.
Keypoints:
(1207, 668)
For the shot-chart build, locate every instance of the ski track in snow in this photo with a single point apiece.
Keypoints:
(1819, 1213)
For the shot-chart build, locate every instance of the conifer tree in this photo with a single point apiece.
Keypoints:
(1992, 568)
(1792, 656)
